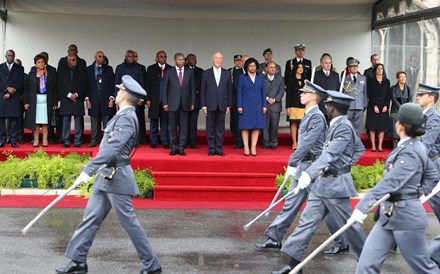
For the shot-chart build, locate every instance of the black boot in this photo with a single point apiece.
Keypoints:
(73, 267)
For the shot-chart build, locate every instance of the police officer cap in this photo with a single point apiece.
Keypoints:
(338, 97)
(410, 113)
(267, 50)
(310, 87)
(353, 62)
(237, 57)
(131, 86)
(300, 46)
(424, 88)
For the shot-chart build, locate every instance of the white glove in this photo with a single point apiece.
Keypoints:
(290, 171)
(304, 180)
(358, 216)
(82, 178)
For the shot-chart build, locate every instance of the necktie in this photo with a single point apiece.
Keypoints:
(9, 66)
(162, 71)
(354, 79)
(327, 73)
(180, 77)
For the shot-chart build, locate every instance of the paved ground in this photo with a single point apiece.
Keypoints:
(186, 241)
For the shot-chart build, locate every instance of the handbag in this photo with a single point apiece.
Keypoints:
(54, 118)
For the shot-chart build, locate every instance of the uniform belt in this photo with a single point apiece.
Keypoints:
(309, 157)
(333, 172)
(119, 163)
(396, 197)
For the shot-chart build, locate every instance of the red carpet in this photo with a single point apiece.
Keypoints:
(198, 177)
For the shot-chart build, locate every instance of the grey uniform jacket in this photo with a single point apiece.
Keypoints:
(431, 138)
(311, 136)
(275, 89)
(356, 90)
(342, 148)
(402, 175)
(118, 140)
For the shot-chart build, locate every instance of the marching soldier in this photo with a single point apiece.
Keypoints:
(311, 141)
(402, 219)
(355, 85)
(333, 184)
(427, 97)
(114, 185)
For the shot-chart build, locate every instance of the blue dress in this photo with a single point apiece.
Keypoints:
(252, 99)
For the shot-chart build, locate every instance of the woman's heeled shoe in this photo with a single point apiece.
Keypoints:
(380, 150)
(246, 154)
(35, 144)
(254, 154)
(373, 150)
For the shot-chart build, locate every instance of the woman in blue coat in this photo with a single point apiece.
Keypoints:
(402, 219)
(252, 105)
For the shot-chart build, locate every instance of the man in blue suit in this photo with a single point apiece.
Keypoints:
(216, 100)
(11, 88)
(178, 100)
(100, 102)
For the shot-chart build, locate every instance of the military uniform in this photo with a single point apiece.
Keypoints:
(356, 87)
(332, 187)
(114, 187)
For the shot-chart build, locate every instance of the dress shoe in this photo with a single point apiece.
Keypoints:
(2, 144)
(157, 271)
(66, 145)
(269, 244)
(172, 152)
(77, 146)
(211, 154)
(182, 152)
(14, 145)
(336, 250)
(73, 267)
(152, 146)
(92, 144)
(51, 141)
(284, 270)
(192, 145)
(274, 147)
(220, 153)
(166, 146)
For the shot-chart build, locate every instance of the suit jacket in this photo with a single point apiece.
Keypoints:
(117, 143)
(99, 101)
(342, 148)
(213, 96)
(175, 95)
(311, 136)
(412, 77)
(330, 82)
(275, 89)
(153, 80)
(404, 169)
(72, 81)
(356, 90)
(15, 79)
(290, 64)
(198, 74)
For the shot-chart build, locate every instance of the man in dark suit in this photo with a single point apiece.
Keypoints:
(216, 101)
(100, 100)
(155, 73)
(412, 73)
(274, 84)
(326, 77)
(369, 72)
(11, 89)
(130, 67)
(235, 72)
(299, 58)
(178, 100)
(72, 87)
(191, 62)
(72, 50)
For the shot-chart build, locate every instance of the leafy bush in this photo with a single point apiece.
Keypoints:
(364, 177)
